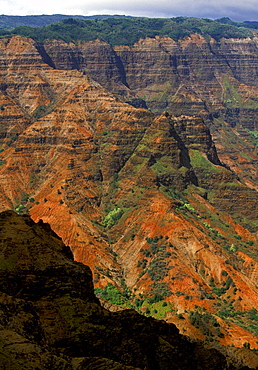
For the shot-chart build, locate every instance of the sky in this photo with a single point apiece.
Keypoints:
(237, 10)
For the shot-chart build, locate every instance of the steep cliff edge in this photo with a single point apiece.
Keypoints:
(142, 199)
(50, 318)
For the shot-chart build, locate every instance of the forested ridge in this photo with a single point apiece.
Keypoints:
(126, 31)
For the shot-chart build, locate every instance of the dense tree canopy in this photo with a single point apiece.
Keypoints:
(127, 31)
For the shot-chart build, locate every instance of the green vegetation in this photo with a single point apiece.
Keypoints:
(254, 136)
(206, 323)
(110, 293)
(20, 208)
(221, 290)
(159, 291)
(158, 310)
(164, 165)
(41, 111)
(156, 264)
(112, 217)
(198, 160)
(245, 319)
(127, 31)
(25, 197)
(122, 296)
(188, 207)
(8, 22)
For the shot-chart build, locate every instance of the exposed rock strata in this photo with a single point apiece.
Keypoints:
(193, 66)
(71, 153)
(216, 80)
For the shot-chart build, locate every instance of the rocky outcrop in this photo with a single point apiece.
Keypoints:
(50, 318)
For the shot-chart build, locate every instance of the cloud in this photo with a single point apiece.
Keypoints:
(233, 9)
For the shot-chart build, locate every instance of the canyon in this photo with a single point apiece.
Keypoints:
(143, 159)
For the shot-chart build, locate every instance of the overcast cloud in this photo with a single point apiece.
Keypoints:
(235, 9)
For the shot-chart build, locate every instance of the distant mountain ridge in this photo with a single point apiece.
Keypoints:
(120, 29)
(8, 22)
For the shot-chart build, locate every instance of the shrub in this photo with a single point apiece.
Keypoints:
(246, 345)
(147, 311)
(188, 207)
(250, 242)
(110, 293)
(112, 217)
(138, 302)
(219, 291)
(25, 197)
(160, 291)
(229, 281)
(233, 248)
(142, 263)
(178, 293)
(40, 111)
(203, 321)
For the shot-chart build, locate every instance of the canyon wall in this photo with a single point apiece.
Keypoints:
(211, 79)
(145, 200)
(200, 74)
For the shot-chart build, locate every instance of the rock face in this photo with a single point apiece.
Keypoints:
(194, 72)
(50, 318)
(215, 80)
(144, 200)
